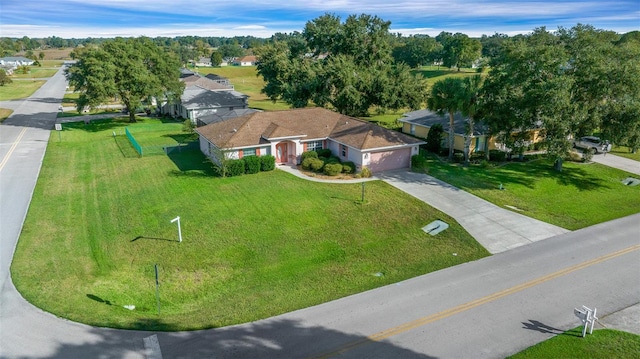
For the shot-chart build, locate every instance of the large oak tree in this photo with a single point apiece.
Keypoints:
(132, 69)
(346, 66)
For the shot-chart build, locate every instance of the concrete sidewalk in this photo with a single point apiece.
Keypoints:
(618, 162)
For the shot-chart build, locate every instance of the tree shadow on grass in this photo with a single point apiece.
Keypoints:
(191, 163)
(98, 125)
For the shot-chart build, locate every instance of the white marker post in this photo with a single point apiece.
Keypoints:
(179, 231)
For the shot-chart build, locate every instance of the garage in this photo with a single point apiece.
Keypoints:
(390, 160)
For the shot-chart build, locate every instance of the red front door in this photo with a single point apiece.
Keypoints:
(281, 152)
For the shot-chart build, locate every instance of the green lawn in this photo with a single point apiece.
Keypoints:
(19, 89)
(602, 344)
(254, 246)
(5, 113)
(581, 195)
(35, 72)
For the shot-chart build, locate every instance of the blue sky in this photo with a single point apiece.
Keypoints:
(262, 18)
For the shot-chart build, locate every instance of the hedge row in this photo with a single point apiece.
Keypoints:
(323, 161)
(249, 165)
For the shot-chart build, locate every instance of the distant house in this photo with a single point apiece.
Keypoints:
(245, 61)
(287, 134)
(203, 62)
(16, 61)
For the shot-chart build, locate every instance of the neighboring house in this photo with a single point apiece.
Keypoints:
(203, 96)
(222, 116)
(197, 101)
(16, 61)
(287, 134)
(418, 123)
(219, 79)
(245, 61)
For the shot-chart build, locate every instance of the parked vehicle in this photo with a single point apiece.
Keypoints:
(592, 143)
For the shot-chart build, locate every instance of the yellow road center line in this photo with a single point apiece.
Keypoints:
(472, 304)
(13, 147)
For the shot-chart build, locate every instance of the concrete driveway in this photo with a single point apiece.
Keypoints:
(496, 228)
(618, 162)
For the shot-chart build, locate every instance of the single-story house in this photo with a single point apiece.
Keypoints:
(418, 123)
(16, 61)
(203, 62)
(246, 61)
(287, 134)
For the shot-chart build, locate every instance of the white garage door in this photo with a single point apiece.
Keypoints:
(390, 160)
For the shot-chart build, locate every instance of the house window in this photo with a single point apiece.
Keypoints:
(314, 145)
(413, 129)
(343, 150)
(248, 152)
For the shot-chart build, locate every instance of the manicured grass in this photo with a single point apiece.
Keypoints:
(581, 195)
(19, 89)
(253, 246)
(5, 113)
(35, 72)
(623, 151)
(602, 344)
(432, 74)
(245, 80)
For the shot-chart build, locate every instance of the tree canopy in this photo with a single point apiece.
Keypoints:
(133, 69)
(347, 66)
(568, 84)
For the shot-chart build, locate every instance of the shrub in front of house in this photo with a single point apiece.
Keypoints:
(332, 169)
(365, 172)
(267, 163)
(251, 164)
(331, 159)
(312, 164)
(348, 167)
(234, 168)
(458, 157)
(308, 154)
(325, 152)
(434, 138)
(497, 155)
(418, 162)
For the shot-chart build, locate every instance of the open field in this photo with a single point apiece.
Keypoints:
(19, 89)
(602, 344)
(35, 72)
(254, 246)
(583, 194)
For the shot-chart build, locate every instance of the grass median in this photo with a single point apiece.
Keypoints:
(253, 246)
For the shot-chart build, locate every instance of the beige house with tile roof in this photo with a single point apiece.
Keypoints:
(286, 134)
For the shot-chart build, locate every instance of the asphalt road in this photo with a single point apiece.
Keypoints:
(484, 309)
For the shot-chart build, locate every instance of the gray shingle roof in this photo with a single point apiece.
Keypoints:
(429, 118)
